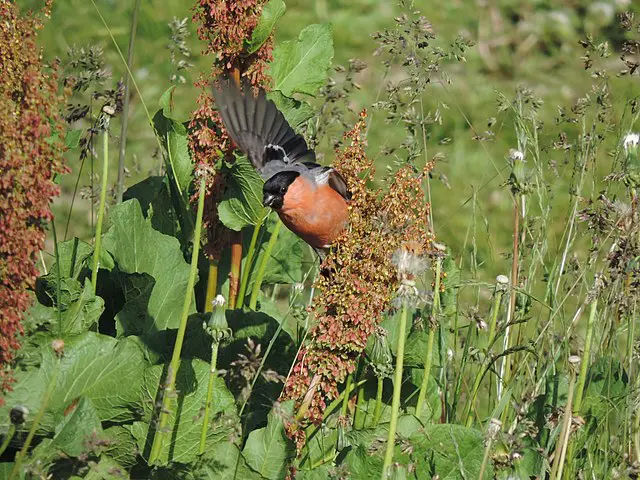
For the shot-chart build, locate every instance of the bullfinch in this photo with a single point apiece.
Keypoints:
(310, 199)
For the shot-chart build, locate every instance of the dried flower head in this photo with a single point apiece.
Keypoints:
(364, 278)
(223, 26)
(31, 127)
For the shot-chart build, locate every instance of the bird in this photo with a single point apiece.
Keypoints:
(311, 200)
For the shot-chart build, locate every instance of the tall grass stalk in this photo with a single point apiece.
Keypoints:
(586, 356)
(397, 388)
(101, 209)
(170, 382)
(248, 264)
(428, 359)
(253, 301)
(125, 106)
(563, 438)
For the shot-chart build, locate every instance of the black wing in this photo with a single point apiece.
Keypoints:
(257, 127)
(336, 181)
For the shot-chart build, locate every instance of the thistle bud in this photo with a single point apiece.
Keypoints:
(631, 145)
(217, 325)
(518, 179)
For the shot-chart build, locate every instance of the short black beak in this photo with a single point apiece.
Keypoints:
(267, 199)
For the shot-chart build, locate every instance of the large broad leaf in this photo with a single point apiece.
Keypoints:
(173, 135)
(139, 249)
(268, 449)
(76, 429)
(223, 461)
(81, 314)
(362, 465)
(296, 112)
(104, 370)
(271, 12)
(185, 420)
(241, 205)
(155, 201)
(301, 65)
(432, 408)
(449, 451)
(106, 469)
(122, 446)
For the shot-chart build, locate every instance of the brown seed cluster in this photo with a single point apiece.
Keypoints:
(225, 26)
(31, 129)
(363, 279)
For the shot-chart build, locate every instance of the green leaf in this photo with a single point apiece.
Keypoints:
(81, 314)
(362, 465)
(449, 297)
(271, 13)
(606, 387)
(139, 249)
(296, 112)
(223, 461)
(106, 469)
(432, 408)
(173, 136)
(76, 428)
(155, 200)
(185, 419)
(241, 205)
(301, 66)
(449, 451)
(104, 370)
(268, 449)
(122, 448)
(72, 138)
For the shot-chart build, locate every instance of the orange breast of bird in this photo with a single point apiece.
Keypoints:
(317, 215)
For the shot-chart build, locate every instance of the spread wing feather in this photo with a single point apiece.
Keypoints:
(260, 130)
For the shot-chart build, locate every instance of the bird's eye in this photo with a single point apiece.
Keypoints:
(283, 190)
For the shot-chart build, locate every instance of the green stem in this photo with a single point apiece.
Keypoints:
(212, 285)
(481, 371)
(377, 412)
(102, 207)
(247, 265)
(59, 275)
(359, 420)
(125, 105)
(170, 381)
(207, 406)
(36, 421)
(485, 459)
(397, 387)
(584, 366)
(345, 400)
(7, 439)
(435, 310)
(563, 438)
(263, 266)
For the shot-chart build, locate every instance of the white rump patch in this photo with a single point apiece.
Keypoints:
(278, 148)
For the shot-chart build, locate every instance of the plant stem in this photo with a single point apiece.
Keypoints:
(172, 371)
(480, 373)
(435, 311)
(102, 207)
(207, 406)
(236, 265)
(563, 439)
(53, 381)
(125, 105)
(212, 285)
(397, 387)
(359, 419)
(377, 412)
(584, 366)
(485, 459)
(58, 274)
(345, 400)
(247, 265)
(505, 373)
(263, 266)
(7, 440)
